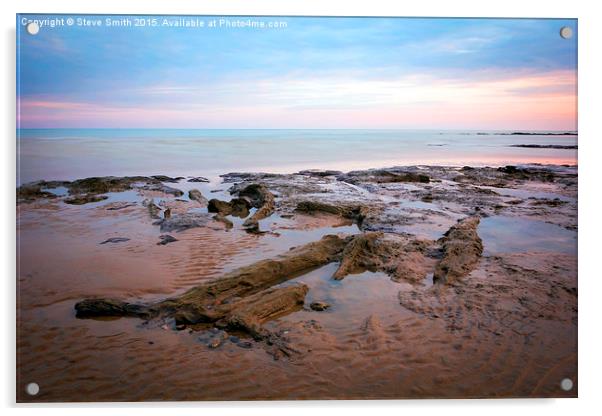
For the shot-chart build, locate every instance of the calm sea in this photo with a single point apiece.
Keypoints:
(77, 153)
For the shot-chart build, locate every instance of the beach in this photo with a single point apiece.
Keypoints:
(408, 281)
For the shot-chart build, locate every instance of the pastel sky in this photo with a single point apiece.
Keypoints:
(315, 73)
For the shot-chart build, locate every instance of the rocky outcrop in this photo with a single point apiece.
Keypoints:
(102, 185)
(221, 218)
(35, 190)
(319, 306)
(401, 258)
(84, 199)
(153, 209)
(319, 173)
(165, 239)
(115, 240)
(164, 178)
(196, 195)
(239, 207)
(243, 299)
(391, 175)
(261, 198)
(462, 248)
(199, 179)
(160, 187)
(350, 211)
(182, 222)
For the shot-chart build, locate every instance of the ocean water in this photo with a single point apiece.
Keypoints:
(67, 154)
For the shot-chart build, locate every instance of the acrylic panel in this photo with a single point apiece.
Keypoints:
(285, 208)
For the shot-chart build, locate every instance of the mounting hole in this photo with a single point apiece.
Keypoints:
(32, 28)
(32, 389)
(566, 384)
(566, 32)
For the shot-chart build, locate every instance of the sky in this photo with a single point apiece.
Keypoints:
(383, 73)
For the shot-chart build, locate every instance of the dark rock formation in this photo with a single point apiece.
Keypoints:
(160, 187)
(163, 178)
(166, 239)
(35, 190)
(462, 249)
(115, 240)
(399, 257)
(391, 175)
(153, 209)
(239, 207)
(350, 211)
(319, 306)
(84, 199)
(319, 173)
(102, 185)
(220, 218)
(261, 198)
(183, 222)
(545, 146)
(241, 300)
(198, 179)
(196, 195)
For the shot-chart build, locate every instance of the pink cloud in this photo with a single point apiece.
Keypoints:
(520, 101)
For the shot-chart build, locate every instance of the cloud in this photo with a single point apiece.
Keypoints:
(487, 100)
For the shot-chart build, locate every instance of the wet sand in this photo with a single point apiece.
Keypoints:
(507, 329)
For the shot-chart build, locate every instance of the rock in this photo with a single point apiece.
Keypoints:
(96, 186)
(258, 197)
(219, 334)
(116, 206)
(153, 209)
(196, 195)
(508, 169)
(102, 185)
(198, 179)
(220, 207)
(319, 306)
(84, 199)
(319, 173)
(383, 176)
(234, 339)
(239, 207)
(33, 191)
(462, 249)
(167, 214)
(220, 218)
(115, 240)
(166, 239)
(92, 308)
(399, 257)
(183, 222)
(163, 178)
(545, 146)
(514, 172)
(258, 303)
(245, 344)
(215, 343)
(350, 211)
(160, 187)
(387, 177)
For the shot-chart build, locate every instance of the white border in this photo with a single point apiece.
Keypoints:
(589, 200)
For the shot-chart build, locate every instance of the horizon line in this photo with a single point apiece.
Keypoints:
(288, 128)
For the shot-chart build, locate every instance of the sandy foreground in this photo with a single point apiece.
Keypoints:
(408, 282)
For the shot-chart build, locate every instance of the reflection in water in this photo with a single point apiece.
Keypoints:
(512, 234)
